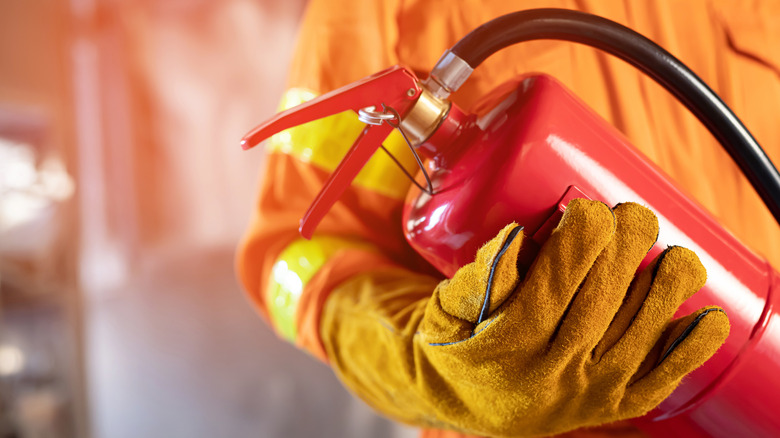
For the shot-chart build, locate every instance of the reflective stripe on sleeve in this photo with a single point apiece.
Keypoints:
(293, 269)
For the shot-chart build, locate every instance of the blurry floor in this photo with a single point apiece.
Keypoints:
(180, 353)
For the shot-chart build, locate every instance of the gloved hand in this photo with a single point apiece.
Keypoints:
(575, 343)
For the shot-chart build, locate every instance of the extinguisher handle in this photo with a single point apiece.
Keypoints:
(395, 87)
(358, 155)
(378, 99)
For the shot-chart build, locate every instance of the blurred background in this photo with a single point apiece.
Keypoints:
(123, 193)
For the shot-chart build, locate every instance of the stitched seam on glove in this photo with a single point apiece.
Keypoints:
(462, 340)
(486, 304)
(688, 331)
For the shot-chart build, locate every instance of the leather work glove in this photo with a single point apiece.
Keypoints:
(576, 342)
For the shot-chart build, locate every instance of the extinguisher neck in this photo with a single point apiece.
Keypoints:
(424, 118)
(432, 125)
(449, 135)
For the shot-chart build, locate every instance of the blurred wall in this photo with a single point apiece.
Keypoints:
(165, 91)
(200, 74)
(42, 392)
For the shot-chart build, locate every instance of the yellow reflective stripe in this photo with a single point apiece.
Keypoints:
(324, 142)
(294, 267)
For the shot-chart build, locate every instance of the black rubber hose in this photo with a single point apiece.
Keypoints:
(653, 60)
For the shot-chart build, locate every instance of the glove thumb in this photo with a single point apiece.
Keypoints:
(479, 288)
(460, 304)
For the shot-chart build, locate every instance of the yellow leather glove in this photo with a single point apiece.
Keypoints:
(575, 343)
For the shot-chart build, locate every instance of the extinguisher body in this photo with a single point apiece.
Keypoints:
(539, 147)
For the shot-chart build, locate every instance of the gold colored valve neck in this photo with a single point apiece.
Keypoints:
(424, 117)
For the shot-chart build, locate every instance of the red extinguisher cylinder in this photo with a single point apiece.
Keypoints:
(541, 146)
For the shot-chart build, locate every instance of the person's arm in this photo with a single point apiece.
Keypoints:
(289, 277)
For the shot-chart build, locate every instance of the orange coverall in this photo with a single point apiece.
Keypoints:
(734, 46)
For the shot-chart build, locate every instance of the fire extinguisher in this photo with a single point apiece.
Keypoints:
(544, 147)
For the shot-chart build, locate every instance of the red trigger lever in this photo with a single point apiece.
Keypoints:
(395, 87)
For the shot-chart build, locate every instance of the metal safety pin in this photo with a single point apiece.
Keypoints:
(389, 115)
(370, 116)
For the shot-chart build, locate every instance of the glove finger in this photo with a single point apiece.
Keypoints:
(672, 278)
(604, 290)
(632, 302)
(687, 343)
(477, 289)
(562, 264)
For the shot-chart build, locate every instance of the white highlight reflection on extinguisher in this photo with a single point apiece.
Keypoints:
(723, 284)
(435, 217)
